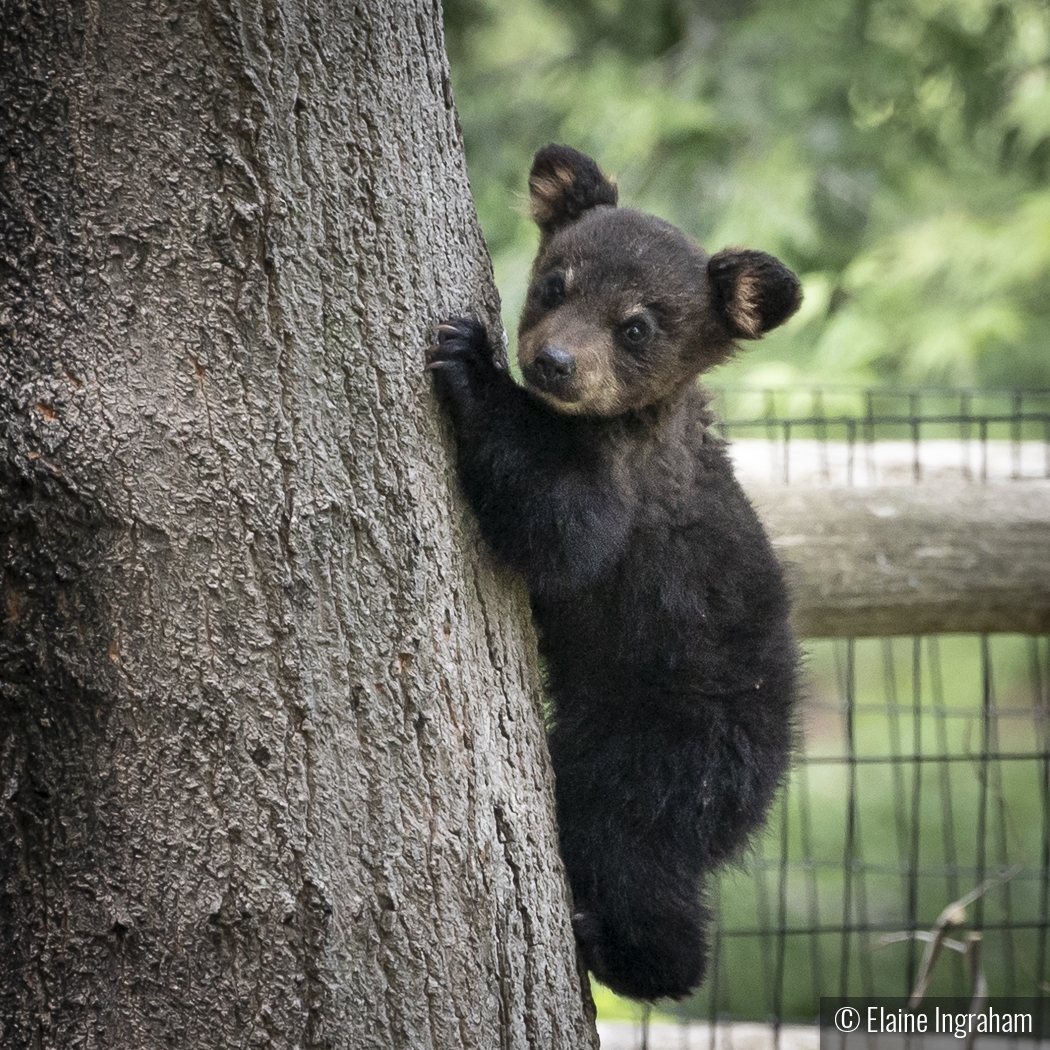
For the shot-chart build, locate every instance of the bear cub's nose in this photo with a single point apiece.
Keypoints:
(554, 364)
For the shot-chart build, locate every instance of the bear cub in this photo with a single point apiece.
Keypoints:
(660, 608)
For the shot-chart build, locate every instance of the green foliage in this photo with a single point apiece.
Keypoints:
(895, 153)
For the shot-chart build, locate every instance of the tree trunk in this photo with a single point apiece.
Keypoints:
(272, 755)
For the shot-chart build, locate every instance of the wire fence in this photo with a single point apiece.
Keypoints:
(876, 437)
(911, 847)
(925, 776)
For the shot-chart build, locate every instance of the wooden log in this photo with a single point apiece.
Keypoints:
(923, 559)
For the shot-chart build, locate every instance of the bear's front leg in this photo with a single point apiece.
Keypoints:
(549, 501)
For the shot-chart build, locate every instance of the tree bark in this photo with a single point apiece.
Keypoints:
(272, 756)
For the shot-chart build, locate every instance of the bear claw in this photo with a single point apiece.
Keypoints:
(459, 340)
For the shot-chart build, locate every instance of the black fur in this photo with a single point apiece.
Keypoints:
(564, 184)
(660, 607)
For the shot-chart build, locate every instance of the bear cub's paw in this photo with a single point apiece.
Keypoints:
(460, 341)
(461, 358)
(667, 961)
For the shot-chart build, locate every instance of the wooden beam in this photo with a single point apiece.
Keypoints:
(922, 559)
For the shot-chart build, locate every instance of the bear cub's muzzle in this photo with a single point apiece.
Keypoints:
(552, 371)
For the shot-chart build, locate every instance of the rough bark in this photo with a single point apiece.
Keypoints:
(920, 559)
(272, 753)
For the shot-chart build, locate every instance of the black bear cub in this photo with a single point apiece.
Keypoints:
(660, 608)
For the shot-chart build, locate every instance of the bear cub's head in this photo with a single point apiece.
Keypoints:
(623, 309)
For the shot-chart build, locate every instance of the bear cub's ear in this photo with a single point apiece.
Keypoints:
(563, 184)
(752, 291)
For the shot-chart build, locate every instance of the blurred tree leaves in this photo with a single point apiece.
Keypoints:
(895, 153)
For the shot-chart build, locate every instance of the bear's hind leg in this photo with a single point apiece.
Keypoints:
(643, 939)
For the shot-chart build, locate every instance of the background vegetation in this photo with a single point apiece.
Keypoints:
(895, 153)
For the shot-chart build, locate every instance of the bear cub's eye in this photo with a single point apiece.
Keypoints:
(636, 332)
(552, 292)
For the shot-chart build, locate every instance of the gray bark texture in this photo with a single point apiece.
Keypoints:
(271, 743)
